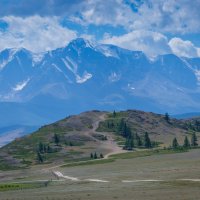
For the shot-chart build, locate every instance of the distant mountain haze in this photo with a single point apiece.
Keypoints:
(40, 88)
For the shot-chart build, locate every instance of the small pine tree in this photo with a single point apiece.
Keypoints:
(41, 147)
(147, 141)
(101, 155)
(129, 144)
(138, 140)
(124, 130)
(39, 157)
(91, 156)
(108, 124)
(45, 148)
(95, 155)
(49, 149)
(114, 114)
(56, 139)
(71, 144)
(175, 144)
(121, 126)
(194, 140)
(186, 142)
(167, 118)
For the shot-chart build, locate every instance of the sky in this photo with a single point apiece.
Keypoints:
(152, 26)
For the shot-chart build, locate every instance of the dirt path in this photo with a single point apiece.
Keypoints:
(58, 174)
(138, 181)
(110, 145)
(63, 178)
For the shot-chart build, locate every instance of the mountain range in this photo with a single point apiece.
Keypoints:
(40, 88)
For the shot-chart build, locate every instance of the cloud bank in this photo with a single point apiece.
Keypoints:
(35, 33)
(145, 25)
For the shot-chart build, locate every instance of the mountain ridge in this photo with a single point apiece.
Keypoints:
(84, 76)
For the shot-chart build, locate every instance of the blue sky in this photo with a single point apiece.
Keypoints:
(153, 26)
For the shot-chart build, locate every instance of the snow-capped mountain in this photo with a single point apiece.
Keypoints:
(84, 76)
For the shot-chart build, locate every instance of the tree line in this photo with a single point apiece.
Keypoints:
(96, 156)
(133, 139)
(187, 143)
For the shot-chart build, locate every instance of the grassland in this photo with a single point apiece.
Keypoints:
(168, 167)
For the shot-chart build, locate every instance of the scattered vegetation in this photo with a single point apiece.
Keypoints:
(21, 186)
(95, 156)
(118, 124)
(89, 162)
(100, 137)
(193, 125)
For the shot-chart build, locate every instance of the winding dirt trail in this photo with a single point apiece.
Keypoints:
(110, 144)
(59, 175)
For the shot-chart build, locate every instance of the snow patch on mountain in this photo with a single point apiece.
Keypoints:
(114, 77)
(197, 73)
(131, 87)
(107, 51)
(180, 89)
(186, 63)
(70, 64)
(57, 68)
(86, 76)
(37, 58)
(4, 62)
(20, 86)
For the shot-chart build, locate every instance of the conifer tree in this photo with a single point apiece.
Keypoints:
(186, 142)
(114, 114)
(95, 155)
(167, 118)
(39, 157)
(49, 149)
(101, 155)
(194, 140)
(91, 156)
(56, 139)
(41, 148)
(121, 126)
(147, 141)
(175, 144)
(108, 124)
(138, 140)
(129, 144)
(124, 130)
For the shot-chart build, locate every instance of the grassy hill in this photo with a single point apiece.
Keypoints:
(76, 137)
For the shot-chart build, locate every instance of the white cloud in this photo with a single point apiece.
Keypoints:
(171, 16)
(151, 43)
(184, 48)
(168, 16)
(98, 12)
(35, 33)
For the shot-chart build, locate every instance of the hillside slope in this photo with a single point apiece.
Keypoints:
(76, 137)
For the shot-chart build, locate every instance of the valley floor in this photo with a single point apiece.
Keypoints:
(159, 176)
